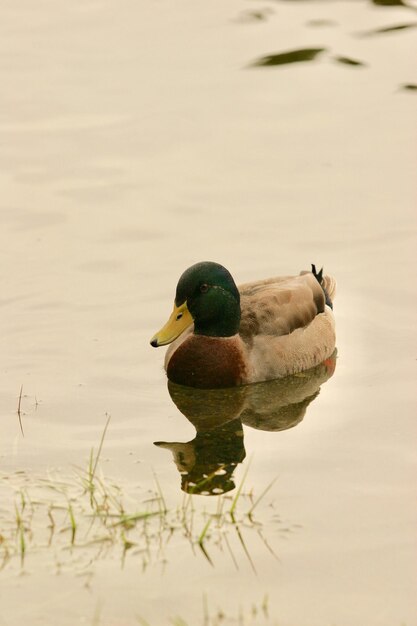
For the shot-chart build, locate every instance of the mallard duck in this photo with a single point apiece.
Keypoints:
(222, 335)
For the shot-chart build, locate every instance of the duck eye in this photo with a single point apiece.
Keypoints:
(204, 288)
(179, 316)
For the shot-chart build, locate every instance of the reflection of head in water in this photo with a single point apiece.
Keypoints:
(206, 463)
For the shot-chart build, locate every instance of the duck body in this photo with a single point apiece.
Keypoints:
(223, 336)
(208, 362)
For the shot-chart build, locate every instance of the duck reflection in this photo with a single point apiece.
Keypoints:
(207, 462)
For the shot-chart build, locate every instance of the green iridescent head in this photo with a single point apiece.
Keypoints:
(206, 295)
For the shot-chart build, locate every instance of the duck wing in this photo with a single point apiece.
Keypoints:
(278, 306)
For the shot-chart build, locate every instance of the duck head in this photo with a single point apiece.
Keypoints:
(207, 296)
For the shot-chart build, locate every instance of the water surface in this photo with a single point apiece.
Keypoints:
(137, 140)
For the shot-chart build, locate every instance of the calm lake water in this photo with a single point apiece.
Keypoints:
(137, 139)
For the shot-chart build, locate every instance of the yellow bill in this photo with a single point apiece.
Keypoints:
(179, 320)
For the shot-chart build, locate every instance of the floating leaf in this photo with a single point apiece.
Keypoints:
(321, 22)
(258, 15)
(409, 87)
(349, 61)
(283, 58)
(389, 3)
(389, 29)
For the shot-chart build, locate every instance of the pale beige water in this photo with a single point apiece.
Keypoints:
(136, 141)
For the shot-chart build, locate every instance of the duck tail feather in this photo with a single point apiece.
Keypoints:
(327, 283)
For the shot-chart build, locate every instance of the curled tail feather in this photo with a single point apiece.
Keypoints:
(327, 283)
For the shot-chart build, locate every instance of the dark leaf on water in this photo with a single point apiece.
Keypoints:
(409, 87)
(389, 3)
(349, 61)
(255, 16)
(283, 58)
(389, 29)
(321, 22)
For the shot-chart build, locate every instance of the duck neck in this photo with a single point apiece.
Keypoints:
(222, 321)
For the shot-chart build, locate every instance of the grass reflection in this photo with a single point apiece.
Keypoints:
(257, 614)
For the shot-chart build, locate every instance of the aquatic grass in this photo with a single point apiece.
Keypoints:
(244, 546)
(187, 515)
(256, 614)
(143, 531)
(51, 525)
(161, 495)
(20, 535)
(198, 487)
(22, 544)
(245, 520)
(265, 605)
(201, 540)
(238, 492)
(204, 531)
(229, 516)
(19, 415)
(93, 463)
(97, 615)
(178, 621)
(128, 521)
(101, 515)
(72, 523)
(261, 496)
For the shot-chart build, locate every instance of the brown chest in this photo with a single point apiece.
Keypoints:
(208, 362)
